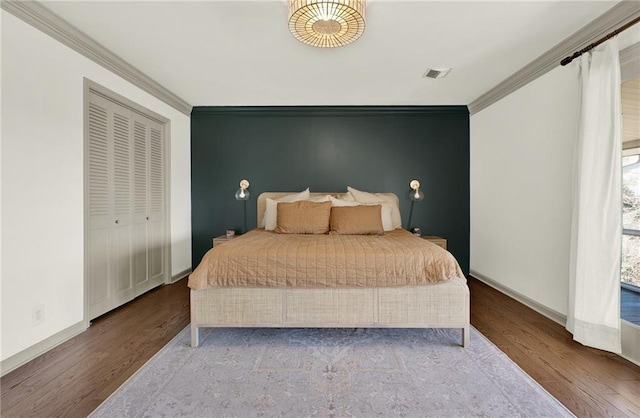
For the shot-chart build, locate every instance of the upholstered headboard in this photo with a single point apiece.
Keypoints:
(262, 200)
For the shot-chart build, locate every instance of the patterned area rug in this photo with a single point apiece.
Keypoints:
(330, 373)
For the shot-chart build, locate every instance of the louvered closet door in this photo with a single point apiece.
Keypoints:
(140, 204)
(149, 195)
(156, 265)
(126, 196)
(109, 241)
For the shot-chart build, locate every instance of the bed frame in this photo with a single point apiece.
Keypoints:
(443, 305)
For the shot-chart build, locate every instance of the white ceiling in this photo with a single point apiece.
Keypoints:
(241, 52)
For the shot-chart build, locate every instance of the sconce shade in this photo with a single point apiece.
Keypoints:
(416, 195)
(243, 192)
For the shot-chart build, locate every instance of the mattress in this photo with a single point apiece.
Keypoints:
(262, 258)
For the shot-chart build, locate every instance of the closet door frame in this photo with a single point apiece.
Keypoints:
(93, 87)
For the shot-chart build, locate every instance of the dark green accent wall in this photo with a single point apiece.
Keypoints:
(372, 148)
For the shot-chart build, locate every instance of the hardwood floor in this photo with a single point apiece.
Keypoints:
(74, 378)
(590, 382)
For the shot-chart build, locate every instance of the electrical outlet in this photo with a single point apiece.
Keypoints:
(37, 315)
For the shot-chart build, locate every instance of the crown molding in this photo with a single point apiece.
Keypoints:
(44, 20)
(326, 110)
(619, 15)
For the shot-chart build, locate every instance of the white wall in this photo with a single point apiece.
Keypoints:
(521, 179)
(42, 182)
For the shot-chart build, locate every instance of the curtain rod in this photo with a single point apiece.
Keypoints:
(575, 55)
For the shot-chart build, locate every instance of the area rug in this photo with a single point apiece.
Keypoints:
(254, 372)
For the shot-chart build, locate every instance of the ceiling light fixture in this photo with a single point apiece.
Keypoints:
(326, 23)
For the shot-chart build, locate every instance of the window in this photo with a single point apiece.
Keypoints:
(630, 273)
(631, 217)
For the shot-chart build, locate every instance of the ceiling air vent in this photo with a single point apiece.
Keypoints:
(436, 73)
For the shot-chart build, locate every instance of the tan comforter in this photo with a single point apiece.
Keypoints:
(264, 258)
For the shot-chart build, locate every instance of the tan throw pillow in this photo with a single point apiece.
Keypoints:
(303, 217)
(356, 220)
(389, 205)
(387, 221)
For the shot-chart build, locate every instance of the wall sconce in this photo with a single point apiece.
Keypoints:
(243, 194)
(416, 195)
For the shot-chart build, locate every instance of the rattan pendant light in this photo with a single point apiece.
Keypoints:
(326, 23)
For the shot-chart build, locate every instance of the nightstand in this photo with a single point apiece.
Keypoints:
(441, 242)
(222, 239)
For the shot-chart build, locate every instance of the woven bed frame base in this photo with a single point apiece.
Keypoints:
(444, 305)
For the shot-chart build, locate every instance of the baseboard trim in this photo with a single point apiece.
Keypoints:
(630, 360)
(180, 276)
(42, 347)
(553, 315)
(630, 351)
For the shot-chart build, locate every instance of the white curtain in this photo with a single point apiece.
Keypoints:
(596, 233)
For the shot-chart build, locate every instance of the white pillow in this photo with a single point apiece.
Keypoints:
(387, 221)
(320, 199)
(346, 196)
(342, 202)
(270, 217)
(366, 197)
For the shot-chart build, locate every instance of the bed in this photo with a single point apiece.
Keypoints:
(327, 297)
